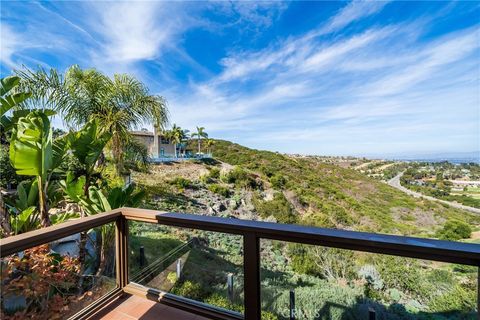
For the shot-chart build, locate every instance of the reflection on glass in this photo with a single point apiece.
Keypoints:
(199, 265)
(58, 279)
(316, 282)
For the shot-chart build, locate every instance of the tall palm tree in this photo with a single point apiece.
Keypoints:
(200, 134)
(119, 104)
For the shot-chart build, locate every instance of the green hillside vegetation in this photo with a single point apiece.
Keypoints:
(251, 184)
(326, 195)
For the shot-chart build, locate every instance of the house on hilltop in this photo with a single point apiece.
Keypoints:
(157, 145)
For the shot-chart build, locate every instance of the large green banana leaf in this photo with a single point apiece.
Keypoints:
(7, 102)
(31, 145)
(7, 83)
(87, 144)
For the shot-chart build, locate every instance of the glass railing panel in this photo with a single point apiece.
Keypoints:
(194, 264)
(60, 278)
(314, 282)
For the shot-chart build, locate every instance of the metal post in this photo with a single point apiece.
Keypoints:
(142, 256)
(179, 268)
(371, 314)
(121, 251)
(292, 305)
(230, 286)
(251, 261)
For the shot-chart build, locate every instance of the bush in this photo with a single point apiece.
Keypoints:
(172, 277)
(455, 230)
(8, 176)
(189, 289)
(278, 181)
(241, 178)
(181, 182)
(457, 298)
(222, 302)
(214, 173)
(218, 189)
(279, 207)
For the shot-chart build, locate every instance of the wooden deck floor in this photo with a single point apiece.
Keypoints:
(132, 307)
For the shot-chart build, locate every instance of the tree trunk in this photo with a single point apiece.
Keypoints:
(117, 154)
(82, 246)
(155, 142)
(175, 147)
(198, 144)
(42, 201)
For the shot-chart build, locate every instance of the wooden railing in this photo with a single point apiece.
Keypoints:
(252, 232)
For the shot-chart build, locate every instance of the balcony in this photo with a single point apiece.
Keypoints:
(137, 293)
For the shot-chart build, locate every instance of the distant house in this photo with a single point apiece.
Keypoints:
(158, 146)
(161, 150)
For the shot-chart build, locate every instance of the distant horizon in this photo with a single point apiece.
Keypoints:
(325, 77)
(437, 156)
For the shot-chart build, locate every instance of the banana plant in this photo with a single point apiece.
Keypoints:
(8, 101)
(87, 145)
(33, 152)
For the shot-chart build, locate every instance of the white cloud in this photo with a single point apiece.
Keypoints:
(295, 51)
(352, 12)
(11, 42)
(438, 55)
(320, 98)
(135, 31)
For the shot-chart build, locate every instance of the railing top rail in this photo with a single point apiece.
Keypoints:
(34, 238)
(421, 248)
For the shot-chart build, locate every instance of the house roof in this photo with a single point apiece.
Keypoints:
(142, 133)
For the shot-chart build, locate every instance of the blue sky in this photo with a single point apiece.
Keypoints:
(330, 78)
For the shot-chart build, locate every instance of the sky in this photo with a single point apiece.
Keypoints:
(328, 78)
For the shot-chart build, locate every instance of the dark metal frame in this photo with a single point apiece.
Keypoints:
(252, 232)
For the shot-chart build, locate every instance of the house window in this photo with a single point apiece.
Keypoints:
(162, 152)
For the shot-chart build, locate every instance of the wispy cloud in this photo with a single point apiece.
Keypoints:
(332, 93)
(134, 31)
(358, 77)
(352, 12)
(11, 42)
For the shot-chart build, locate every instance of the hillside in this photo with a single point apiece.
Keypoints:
(254, 184)
(251, 184)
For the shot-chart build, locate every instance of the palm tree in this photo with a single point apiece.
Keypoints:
(200, 134)
(119, 104)
(176, 137)
(209, 143)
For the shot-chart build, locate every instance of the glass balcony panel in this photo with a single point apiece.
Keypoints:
(55, 280)
(194, 264)
(315, 282)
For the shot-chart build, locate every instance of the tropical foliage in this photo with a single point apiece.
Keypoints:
(119, 103)
(200, 134)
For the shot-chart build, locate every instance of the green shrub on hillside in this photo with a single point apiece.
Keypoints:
(455, 230)
(181, 182)
(222, 302)
(219, 189)
(457, 298)
(328, 263)
(278, 181)
(279, 208)
(241, 178)
(214, 173)
(189, 289)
